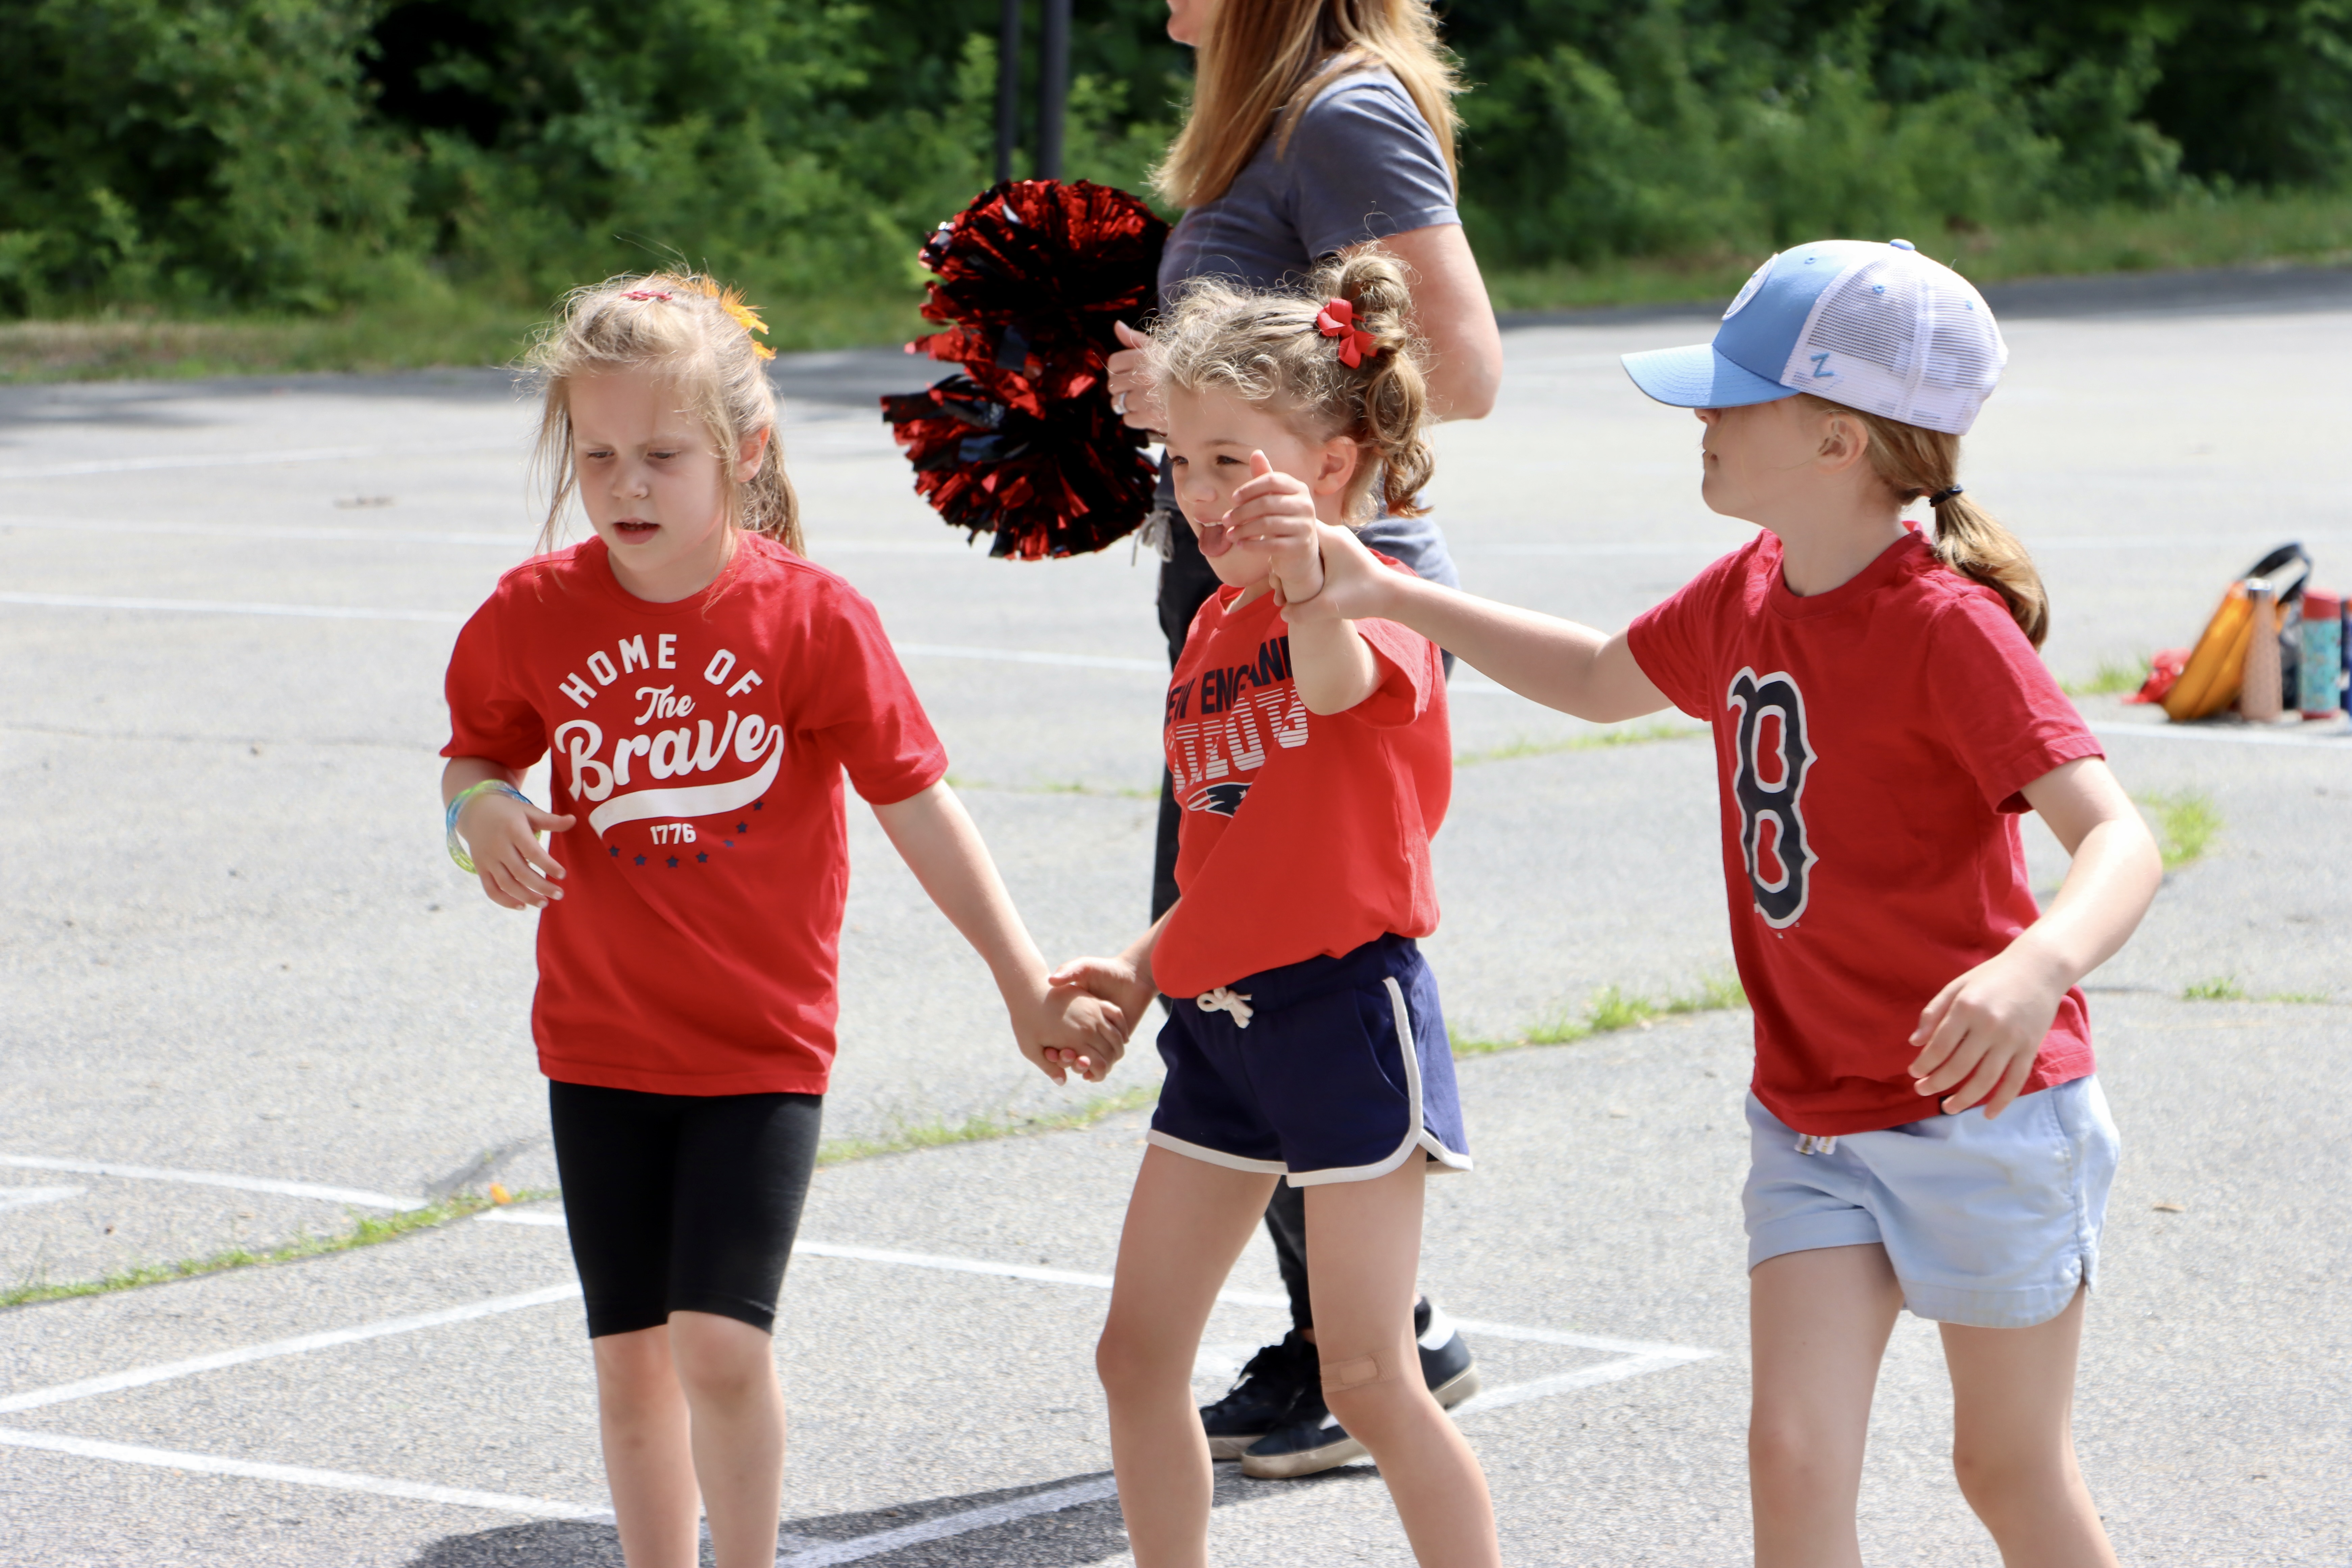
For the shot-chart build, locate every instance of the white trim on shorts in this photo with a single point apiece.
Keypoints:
(1215, 1156)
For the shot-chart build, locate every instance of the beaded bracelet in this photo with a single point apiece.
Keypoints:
(449, 820)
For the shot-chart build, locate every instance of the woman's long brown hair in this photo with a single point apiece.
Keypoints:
(1262, 55)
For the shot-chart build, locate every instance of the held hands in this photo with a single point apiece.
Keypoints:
(1132, 391)
(501, 836)
(1112, 983)
(1978, 1040)
(1352, 583)
(1277, 512)
(1062, 1030)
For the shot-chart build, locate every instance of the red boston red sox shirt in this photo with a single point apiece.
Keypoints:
(701, 744)
(1873, 741)
(1302, 833)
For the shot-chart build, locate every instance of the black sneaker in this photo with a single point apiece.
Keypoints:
(1264, 1398)
(1314, 1441)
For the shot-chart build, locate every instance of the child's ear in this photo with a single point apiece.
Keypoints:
(1843, 444)
(748, 453)
(1335, 466)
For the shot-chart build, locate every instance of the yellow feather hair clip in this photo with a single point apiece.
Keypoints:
(731, 302)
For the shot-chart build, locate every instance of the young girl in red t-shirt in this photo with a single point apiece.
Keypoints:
(703, 688)
(1304, 1040)
(1880, 719)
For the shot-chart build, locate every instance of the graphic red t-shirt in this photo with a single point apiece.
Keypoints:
(1302, 833)
(1873, 741)
(702, 744)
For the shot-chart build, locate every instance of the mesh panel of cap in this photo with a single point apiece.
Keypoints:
(1901, 336)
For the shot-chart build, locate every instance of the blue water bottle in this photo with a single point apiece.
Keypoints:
(2322, 655)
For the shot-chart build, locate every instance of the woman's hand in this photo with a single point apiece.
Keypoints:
(1276, 513)
(1979, 1039)
(1132, 390)
(502, 836)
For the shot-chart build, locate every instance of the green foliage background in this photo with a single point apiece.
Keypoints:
(198, 156)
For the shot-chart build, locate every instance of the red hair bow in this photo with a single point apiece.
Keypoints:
(1338, 320)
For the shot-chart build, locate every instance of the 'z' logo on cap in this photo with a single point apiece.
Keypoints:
(1821, 364)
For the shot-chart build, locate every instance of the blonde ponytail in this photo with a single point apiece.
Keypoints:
(1918, 463)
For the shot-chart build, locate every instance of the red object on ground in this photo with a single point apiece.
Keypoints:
(2162, 671)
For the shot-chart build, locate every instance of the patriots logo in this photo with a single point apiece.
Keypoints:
(1224, 799)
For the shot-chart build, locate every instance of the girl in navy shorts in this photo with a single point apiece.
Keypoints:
(703, 689)
(1881, 718)
(1304, 1040)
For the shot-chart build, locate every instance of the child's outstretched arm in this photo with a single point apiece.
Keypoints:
(1978, 1038)
(1056, 1029)
(1558, 663)
(501, 832)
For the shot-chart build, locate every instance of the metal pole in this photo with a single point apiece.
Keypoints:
(1052, 86)
(1008, 87)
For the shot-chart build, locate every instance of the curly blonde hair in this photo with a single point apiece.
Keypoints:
(1267, 349)
(690, 331)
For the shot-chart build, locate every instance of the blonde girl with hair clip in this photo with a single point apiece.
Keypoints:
(1305, 1043)
(1926, 1128)
(1318, 128)
(703, 688)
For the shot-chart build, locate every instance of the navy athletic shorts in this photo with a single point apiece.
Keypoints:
(1335, 1069)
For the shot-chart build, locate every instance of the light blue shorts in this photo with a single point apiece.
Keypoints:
(1993, 1224)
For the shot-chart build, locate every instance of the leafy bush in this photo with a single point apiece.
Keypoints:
(301, 154)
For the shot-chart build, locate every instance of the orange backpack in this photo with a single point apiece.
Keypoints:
(2217, 668)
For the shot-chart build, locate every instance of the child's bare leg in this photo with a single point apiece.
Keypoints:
(1363, 1246)
(1185, 1225)
(2014, 1441)
(1818, 1324)
(648, 1460)
(728, 1369)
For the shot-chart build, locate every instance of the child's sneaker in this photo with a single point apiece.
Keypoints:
(1314, 1441)
(1264, 1398)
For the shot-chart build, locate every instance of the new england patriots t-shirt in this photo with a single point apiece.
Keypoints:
(1301, 833)
(1872, 744)
(701, 744)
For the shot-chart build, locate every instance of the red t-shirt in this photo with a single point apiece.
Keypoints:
(697, 945)
(1302, 833)
(1873, 741)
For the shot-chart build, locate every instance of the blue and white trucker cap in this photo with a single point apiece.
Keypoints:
(1874, 327)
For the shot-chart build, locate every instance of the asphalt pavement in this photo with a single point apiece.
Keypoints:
(246, 995)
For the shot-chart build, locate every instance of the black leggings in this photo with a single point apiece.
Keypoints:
(681, 1203)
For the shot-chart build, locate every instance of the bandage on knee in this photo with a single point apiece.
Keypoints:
(1339, 1377)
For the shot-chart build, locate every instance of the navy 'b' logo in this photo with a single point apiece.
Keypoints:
(1767, 784)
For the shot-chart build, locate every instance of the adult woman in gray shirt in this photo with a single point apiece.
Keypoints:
(1318, 127)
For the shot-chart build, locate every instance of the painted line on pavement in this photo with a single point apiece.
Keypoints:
(296, 1475)
(226, 607)
(358, 1196)
(165, 1372)
(2223, 736)
(28, 1197)
(949, 1524)
(251, 459)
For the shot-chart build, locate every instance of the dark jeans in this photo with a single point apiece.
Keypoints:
(1186, 581)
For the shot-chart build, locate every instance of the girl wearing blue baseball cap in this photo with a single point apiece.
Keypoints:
(1881, 718)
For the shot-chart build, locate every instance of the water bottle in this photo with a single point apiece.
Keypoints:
(2323, 654)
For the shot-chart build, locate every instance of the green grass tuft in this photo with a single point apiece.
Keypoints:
(1071, 786)
(366, 1231)
(979, 1129)
(1632, 736)
(1612, 1011)
(2225, 988)
(2187, 822)
(2114, 678)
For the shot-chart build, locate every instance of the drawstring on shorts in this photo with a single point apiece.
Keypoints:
(1225, 999)
(1814, 1143)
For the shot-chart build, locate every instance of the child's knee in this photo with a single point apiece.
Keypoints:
(1365, 1390)
(1131, 1361)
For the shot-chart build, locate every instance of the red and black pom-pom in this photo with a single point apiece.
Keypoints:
(1024, 443)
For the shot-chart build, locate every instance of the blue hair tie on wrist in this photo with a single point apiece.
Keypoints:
(457, 804)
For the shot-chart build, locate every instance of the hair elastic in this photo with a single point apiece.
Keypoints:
(449, 818)
(1946, 493)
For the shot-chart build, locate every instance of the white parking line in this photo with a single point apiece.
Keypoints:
(296, 1475)
(357, 1195)
(224, 607)
(949, 1524)
(164, 1372)
(2228, 735)
(251, 459)
(27, 1197)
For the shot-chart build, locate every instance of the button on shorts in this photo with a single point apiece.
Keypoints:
(1993, 1225)
(1343, 1072)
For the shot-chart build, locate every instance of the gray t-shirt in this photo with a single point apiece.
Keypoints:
(1361, 165)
